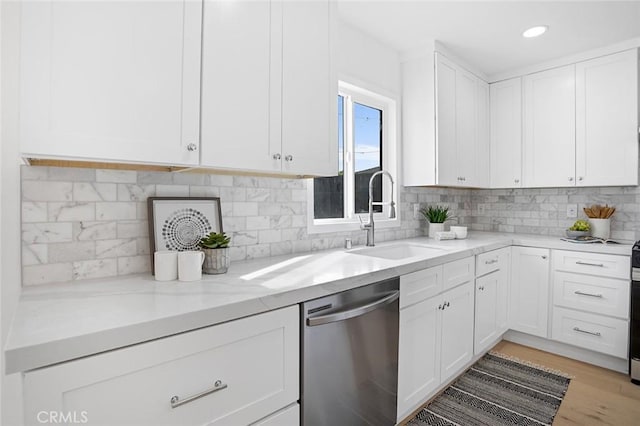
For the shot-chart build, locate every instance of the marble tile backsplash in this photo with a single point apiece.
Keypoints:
(544, 211)
(90, 223)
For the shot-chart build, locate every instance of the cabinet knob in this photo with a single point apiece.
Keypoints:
(192, 147)
(288, 158)
(464, 179)
(544, 257)
(516, 180)
(481, 288)
(447, 304)
(276, 156)
(570, 179)
(440, 307)
(580, 178)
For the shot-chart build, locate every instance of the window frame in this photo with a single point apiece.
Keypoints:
(353, 93)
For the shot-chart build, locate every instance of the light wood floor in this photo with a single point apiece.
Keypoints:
(596, 396)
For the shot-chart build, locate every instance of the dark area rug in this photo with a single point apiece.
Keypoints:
(498, 390)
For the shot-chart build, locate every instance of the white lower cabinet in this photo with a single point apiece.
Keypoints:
(436, 340)
(591, 331)
(591, 301)
(492, 297)
(457, 330)
(492, 293)
(233, 373)
(419, 353)
(529, 300)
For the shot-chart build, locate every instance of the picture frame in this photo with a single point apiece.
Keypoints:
(178, 223)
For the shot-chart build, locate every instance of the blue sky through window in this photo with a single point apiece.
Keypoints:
(367, 127)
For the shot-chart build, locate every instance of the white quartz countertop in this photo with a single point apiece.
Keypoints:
(60, 322)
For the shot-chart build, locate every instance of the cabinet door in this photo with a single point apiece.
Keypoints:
(238, 55)
(466, 127)
(486, 315)
(529, 307)
(482, 159)
(607, 120)
(114, 81)
(506, 133)
(419, 353)
(309, 91)
(446, 151)
(549, 128)
(502, 295)
(457, 330)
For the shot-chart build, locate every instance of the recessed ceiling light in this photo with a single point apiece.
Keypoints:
(535, 31)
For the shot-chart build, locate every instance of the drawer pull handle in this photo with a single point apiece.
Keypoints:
(587, 294)
(491, 262)
(580, 262)
(217, 386)
(596, 333)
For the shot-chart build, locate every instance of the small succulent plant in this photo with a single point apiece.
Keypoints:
(215, 240)
(436, 214)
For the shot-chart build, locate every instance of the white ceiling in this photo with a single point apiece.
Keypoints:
(489, 34)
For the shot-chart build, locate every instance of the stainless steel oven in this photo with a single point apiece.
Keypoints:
(350, 357)
(634, 326)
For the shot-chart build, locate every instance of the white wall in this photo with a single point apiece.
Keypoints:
(364, 61)
(10, 200)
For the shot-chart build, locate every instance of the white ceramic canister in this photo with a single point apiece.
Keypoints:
(600, 228)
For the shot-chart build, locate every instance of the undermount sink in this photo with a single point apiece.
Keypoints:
(398, 251)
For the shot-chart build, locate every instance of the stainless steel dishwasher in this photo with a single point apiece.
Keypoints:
(350, 357)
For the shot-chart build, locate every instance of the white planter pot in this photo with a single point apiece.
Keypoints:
(600, 228)
(216, 261)
(435, 227)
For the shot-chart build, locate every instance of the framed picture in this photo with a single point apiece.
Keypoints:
(178, 223)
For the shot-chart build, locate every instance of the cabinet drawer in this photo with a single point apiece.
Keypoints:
(289, 416)
(590, 331)
(597, 295)
(606, 265)
(256, 357)
(458, 272)
(420, 285)
(492, 261)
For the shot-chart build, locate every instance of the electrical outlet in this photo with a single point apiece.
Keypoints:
(572, 210)
(416, 211)
(481, 208)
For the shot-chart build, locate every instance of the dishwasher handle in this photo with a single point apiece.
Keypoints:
(354, 312)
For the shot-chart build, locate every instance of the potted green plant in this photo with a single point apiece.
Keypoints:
(216, 253)
(436, 216)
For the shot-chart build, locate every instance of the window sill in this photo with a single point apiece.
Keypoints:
(318, 227)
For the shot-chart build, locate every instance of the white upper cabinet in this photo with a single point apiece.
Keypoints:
(236, 85)
(446, 99)
(506, 133)
(483, 162)
(309, 90)
(549, 128)
(445, 124)
(466, 119)
(268, 92)
(114, 81)
(607, 120)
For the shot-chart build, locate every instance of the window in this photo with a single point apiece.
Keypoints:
(366, 144)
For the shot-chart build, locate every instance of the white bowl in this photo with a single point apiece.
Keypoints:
(460, 231)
